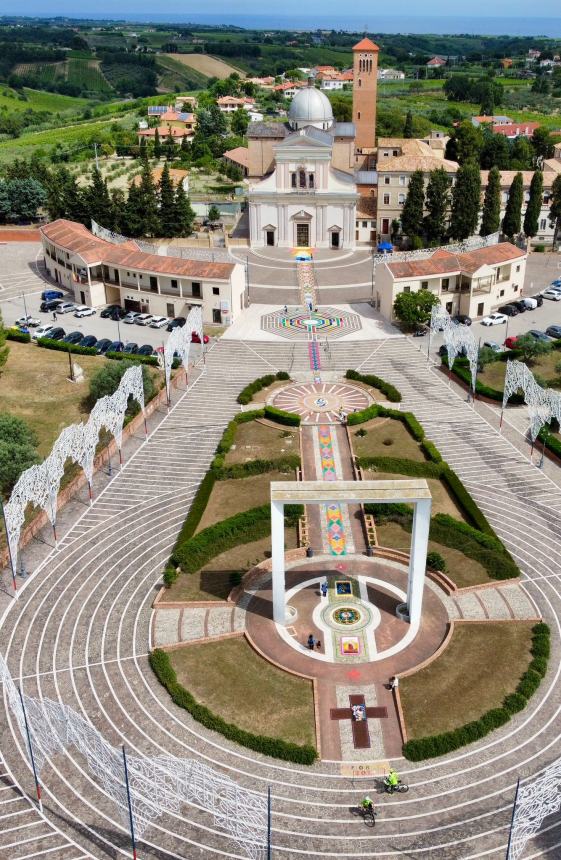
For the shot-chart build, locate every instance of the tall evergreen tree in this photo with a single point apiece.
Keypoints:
(132, 217)
(408, 128)
(466, 201)
(149, 202)
(170, 147)
(491, 218)
(437, 202)
(555, 209)
(534, 207)
(513, 211)
(98, 201)
(184, 214)
(157, 145)
(143, 149)
(168, 221)
(413, 208)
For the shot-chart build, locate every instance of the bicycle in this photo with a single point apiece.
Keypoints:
(368, 815)
(400, 788)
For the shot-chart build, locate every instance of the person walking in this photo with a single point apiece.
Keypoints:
(324, 589)
(311, 641)
(54, 316)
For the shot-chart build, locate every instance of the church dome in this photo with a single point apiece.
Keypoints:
(310, 107)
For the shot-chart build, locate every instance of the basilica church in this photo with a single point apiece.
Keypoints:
(308, 175)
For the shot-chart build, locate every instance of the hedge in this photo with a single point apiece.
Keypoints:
(139, 359)
(413, 468)
(391, 392)
(275, 747)
(431, 451)
(289, 463)
(290, 419)
(436, 745)
(466, 502)
(462, 371)
(20, 336)
(552, 443)
(246, 394)
(49, 343)
(227, 438)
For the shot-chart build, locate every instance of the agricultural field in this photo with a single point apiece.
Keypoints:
(174, 73)
(39, 100)
(209, 66)
(47, 72)
(74, 137)
(87, 74)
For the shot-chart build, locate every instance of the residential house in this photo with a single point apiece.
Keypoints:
(436, 62)
(165, 132)
(516, 129)
(229, 104)
(390, 75)
(365, 224)
(289, 88)
(474, 283)
(239, 157)
(497, 120)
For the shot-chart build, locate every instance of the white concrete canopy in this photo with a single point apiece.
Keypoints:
(413, 491)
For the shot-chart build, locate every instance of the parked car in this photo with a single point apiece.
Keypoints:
(56, 333)
(130, 348)
(146, 349)
(530, 302)
(65, 307)
(103, 345)
(178, 322)
(520, 305)
(509, 310)
(116, 346)
(73, 337)
(556, 282)
(50, 295)
(49, 305)
(129, 318)
(553, 295)
(28, 321)
(159, 322)
(84, 311)
(554, 286)
(492, 344)
(495, 319)
(510, 342)
(88, 340)
(42, 331)
(554, 331)
(539, 335)
(539, 299)
(463, 319)
(143, 319)
(112, 311)
(196, 338)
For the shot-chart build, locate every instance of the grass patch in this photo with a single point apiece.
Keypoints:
(493, 374)
(233, 496)
(234, 682)
(257, 441)
(442, 501)
(385, 437)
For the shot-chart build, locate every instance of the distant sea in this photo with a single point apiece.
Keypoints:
(373, 24)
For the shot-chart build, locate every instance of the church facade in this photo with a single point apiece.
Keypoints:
(303, 187)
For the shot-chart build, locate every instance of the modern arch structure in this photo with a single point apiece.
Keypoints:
(409, 491)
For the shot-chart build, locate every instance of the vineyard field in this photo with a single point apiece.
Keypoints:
(87, 74)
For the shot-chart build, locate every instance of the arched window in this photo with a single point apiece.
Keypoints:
(359, 82)
(302, 178)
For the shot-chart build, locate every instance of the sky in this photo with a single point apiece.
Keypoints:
(476, 8)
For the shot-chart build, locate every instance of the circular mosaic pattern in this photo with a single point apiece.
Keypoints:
(321, 401)
(296, 323)
(346, 615)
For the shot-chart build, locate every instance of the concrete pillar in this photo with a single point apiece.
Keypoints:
(277, 547)
(418, 557)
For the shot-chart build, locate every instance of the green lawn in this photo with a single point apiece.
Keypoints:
(385, 437)
(72, 136)
(494, 374)
(40, 100)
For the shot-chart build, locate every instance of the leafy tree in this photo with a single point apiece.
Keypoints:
(157, 145)
(486, 356)
(465, 144)
(488, 100)
(491, 218)
(168, 223)
(534, 207)
(17, 450)
(413, 208)
(342, 108)
(408, 127)
(210, 121)
(466, 199)
(521, 154)
(413, 309)
(214, 213)
(542, 143)
(513, 211)
(4, 348)
(239, 122)
(531, 348)
(105, 381)
(555, 209)
(495, 152)
(437, 201)
(184, 214)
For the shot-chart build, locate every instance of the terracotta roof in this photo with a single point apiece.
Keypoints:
(508, 175)
(176, 174)
(443, 262)
(76, 238)
(409, 163)
(366, 45)
(240, 154)
(165, 131)
(366, 206)
(516, 129)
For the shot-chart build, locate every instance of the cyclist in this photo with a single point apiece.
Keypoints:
(392, 780)
(367, 804)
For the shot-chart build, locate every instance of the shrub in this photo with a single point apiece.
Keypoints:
(171, 575)
(435, 561)
(539, 249)
(105, 381)
(529, 683)
(246, 394)
(466, 502)
(363, 416)
(539, 665)
(17, 335)
(541, 647)
(136, 359)
(49, 343)
(431, 451)
(275, 747)
(290, 419)
(227, 439)
(391, 392)
(413, 468)
(288, 463)
(514, 703)
(17, 450)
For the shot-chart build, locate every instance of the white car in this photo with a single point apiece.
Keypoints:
(65, 307)
(42, 331)
(131, 317)
(28, 321)
(84, 311)
(494, 319)
(554, 295)
(143, 319)
(159, 322)
(530, 303)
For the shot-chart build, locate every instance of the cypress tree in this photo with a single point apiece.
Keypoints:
(149, 203)
(169, 147)
(555, 209)
(466, 201)
(98, 201)
(534, 207)
(157, 145)
(437, 202)
(412, 214)
(408, 128)
(491, 219)
(143, 149)
(513, 211)
(132, 217)
(184, 214)
(168, 224)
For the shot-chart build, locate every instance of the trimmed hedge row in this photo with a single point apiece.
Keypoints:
(289, 419)
(466, 502)
(430, 451)
(227, 438)
(391, 392)
(246, 394)
(288, 463)
(462, 371)
(49, 343)
(139, 359)
(552, 443)
(413, 468)
(376, 411)
(19, 336)
(436, 745)
(275, 747)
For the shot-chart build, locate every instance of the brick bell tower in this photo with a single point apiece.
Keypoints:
(365, 85)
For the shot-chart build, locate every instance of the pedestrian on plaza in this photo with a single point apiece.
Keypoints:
(285, 309)
(311, 641)
(324, 589)
(394, 683)
(318, 644)
(54, 316)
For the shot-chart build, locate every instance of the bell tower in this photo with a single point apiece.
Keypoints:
(365, 85)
